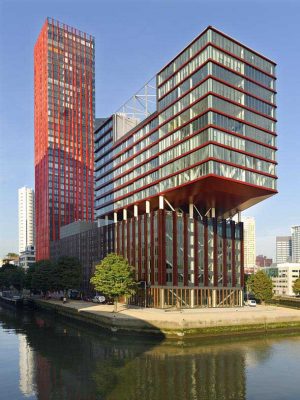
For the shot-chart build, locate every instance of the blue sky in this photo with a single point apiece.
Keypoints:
(134, 39)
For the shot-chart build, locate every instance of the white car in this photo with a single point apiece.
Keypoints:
(98, 299)
(251, 303)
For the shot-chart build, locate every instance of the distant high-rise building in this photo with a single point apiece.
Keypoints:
(249, 243)
(26, 218)
(283, 249)
(64, 103)
(295, 243)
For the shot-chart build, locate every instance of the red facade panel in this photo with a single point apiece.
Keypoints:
(63, 124)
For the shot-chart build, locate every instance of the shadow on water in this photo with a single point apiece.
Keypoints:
(72, 361)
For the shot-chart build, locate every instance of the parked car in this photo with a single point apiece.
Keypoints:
(251, 303)
(99, 299)
(74, 294)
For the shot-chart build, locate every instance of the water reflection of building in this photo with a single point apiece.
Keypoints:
(73, 362)
(26, 367)
(200, 375)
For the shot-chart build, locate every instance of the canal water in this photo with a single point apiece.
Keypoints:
(50, 358)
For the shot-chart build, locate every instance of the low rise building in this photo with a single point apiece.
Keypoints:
(283, 278)
(263, 261)
(85, 241)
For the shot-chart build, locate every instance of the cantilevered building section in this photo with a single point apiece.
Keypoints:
(64, 102)
(172, 179)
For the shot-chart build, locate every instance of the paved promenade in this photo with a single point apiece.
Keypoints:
(181, 323)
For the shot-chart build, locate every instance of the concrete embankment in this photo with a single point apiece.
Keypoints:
(185, 323)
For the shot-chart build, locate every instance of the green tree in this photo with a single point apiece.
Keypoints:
(43, 276)
(262, 287)
(11, 275)
(11, 255)
(296, 287)
(17, 278)
(29, 276)
(114, 277)
(249, 283)
(68, 273)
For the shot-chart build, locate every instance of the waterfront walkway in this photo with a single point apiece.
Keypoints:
(184, 322)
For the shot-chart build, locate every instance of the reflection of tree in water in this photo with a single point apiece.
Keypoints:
(77, 362)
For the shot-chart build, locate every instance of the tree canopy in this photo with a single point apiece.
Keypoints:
(114, 277)
(249, 282)
(46, 275)
(12, 276)
(68, 273)
(12, 255)
(261, 286)
(296, 286)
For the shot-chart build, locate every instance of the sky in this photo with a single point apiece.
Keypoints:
(134, 39)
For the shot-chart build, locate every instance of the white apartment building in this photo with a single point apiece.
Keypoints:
(27, 257)
(283, 249)
(249, 244)
(286, 275)
(295, 243)
(26, 218)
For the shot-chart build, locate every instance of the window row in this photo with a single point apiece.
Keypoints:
(210, 118)
(183, 58)
(184, 87)
(241, 144)
(210, 167)
(242, 83)
(222, 58)
(211, 85)
(222, 42)
(104, 139)
(240, 113)
(242, 52)
(241, 128)
(185, 162)
(184, 72)
(242, 98)
(185, 101)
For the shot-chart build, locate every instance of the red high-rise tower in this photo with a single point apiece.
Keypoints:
(64, 104)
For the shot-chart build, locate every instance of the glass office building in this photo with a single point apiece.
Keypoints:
(172, 181)
(64, 108)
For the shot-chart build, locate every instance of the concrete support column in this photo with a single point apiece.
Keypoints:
(239, 216)
(106, 219)
(115, 217)
(161, 202)
(147, 207)
(162, 298)
(241, 298)
(191, 210)
(192, 298)
(124, 214)
(214, 298)
(135, 211)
